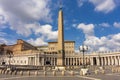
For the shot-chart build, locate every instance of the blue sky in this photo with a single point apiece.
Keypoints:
(95, 23)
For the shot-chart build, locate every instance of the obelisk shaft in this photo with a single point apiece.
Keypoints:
(61, 53)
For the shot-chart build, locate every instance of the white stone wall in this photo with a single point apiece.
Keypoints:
(17, 60)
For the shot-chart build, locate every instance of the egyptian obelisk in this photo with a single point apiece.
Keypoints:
(61, 54)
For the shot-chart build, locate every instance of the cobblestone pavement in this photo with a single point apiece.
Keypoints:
(58, 76)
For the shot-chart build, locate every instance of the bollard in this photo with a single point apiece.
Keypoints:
(113, 70)
(72, 73)
(0, 71)
(15, 72)
(118, 69)
(28, 73)
(21, 73)
(96, 71)
(45, 73)
(4, 71)
(36, 73)
(10, 72)
(103, 71)
(81, 73)
(54, 73)
(63, 73)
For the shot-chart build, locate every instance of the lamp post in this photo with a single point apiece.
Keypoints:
(83, 48)
(9, 55)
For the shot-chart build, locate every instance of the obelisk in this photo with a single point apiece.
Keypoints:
(61, 54)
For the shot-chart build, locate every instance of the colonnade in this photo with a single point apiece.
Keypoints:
(106, 60)
(76, 61)
(90, 59)
(51, 61)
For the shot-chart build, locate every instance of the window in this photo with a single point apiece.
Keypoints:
(25, 61)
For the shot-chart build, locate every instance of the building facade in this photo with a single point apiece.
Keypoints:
(68, 47)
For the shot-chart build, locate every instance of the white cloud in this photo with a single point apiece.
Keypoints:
(2, 34)
(27, 9)
(3, 21)
(19, 13)
(88, 29)
(24, 16)
(81, 2)
(46, 30)
(116, 24)
(103, 5)
(104, 43)
(3, 40)
(37, 42)
(43, 30)
(104, 24)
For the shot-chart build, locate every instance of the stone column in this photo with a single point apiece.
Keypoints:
(102, 63)
(65, 61)
(54, 61)
(108, 58)
(119, 59)
(34, 60)
(98, 61)
(30, 62)
(76, 62)
(85, 60)
(91, 61)
(37, 59)
(42, 61)
(73, 61)
(79, 61)
(105, 61)
(116, 61)
(112, 60)
(68, 61)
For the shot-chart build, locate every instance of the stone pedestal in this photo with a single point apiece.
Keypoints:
(84, 71)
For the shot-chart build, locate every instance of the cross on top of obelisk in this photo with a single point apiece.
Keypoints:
(60, 4)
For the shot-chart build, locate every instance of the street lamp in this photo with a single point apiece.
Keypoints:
(9, 54)
(83, 48)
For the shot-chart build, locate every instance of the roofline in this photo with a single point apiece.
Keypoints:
(64, 41)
